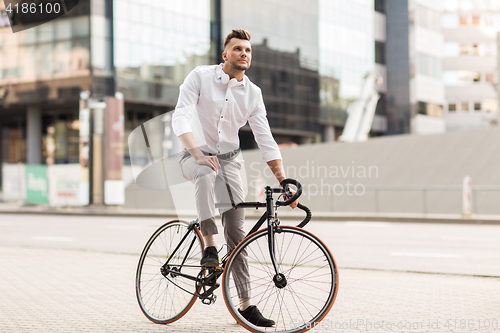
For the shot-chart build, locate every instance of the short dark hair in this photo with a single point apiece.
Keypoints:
(236, 33)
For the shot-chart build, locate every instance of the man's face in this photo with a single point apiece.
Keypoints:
(238, 54)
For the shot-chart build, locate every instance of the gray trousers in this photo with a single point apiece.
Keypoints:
(210, 189)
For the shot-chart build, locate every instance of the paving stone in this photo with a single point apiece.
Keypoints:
(44, 290)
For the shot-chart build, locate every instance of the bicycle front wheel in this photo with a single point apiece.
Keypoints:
(166, 297)
(310, 273)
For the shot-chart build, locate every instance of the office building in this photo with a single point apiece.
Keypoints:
(415, 91)
(310, 59)
(470, 75)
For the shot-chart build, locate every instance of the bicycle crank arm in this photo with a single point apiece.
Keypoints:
(208, 292)
(166, 271)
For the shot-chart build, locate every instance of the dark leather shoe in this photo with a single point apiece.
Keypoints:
(210, 257)
(253, 315)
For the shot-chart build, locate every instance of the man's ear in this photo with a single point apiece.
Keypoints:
(224, 56)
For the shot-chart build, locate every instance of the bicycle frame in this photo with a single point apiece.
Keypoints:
(268, 215)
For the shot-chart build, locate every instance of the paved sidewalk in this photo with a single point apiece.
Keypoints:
(46, 290)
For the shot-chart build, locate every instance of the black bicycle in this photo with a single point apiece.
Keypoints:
(292, 276)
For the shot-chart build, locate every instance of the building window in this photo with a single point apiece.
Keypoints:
(464, 49)
(452, 107)
(380, 52)
(477, 106)
(476, 20)
(463, 19)
(451, 49)
(430, 109)
(427, 18)
(422, 108)
(490, 105)
(428, 65)
(379, 6)
(468, 77)
(465, 107)
(449, 20)
(475, 49)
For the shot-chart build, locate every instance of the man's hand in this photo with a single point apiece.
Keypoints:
(188, 141)
(211, 161)
(293, 204)
(276, 167)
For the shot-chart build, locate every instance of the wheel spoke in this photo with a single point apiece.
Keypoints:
(163, 299)
(309, 270)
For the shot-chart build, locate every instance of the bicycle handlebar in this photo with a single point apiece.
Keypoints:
(294, 196)
(308, 215)
(284, 189)
(291, 197)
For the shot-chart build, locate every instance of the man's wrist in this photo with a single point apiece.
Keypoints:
(196, 153)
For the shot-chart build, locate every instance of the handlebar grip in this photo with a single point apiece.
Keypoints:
(297, 194)
(308, 215)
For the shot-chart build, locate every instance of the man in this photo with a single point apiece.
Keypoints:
(214, 103)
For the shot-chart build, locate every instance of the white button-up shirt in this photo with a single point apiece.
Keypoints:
(214, 112)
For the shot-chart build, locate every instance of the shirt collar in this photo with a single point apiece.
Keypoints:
(218, 73)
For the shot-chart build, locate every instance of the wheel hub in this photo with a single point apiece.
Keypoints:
(165, 271)
(280, 280)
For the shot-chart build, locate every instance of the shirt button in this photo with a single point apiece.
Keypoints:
(222, 116)
(226, 99)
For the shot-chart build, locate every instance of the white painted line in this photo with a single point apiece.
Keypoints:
(468, 239)
(52, 239)
(6, 223)
(124, 227)
(426, 255)
(367, 224)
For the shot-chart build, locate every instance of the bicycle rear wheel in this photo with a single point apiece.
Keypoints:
(164, 298)
(309, 269)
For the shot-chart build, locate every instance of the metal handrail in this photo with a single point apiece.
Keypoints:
(426, 188)
(431, 187)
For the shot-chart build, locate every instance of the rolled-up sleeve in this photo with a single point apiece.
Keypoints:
(186, 104)
(262, 132)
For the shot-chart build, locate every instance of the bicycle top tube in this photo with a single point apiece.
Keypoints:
(249, 204)
(282, 189)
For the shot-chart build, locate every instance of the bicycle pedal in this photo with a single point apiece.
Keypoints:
(209, 300)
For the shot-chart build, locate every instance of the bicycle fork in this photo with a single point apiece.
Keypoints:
(278, 279)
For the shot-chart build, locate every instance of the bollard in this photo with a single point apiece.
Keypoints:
(466, 197)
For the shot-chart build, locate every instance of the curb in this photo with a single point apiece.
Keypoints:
(318, 216)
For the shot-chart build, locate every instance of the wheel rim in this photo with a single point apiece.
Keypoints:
(311, 284)
(165, 297)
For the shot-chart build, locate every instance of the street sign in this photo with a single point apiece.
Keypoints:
(37, 184)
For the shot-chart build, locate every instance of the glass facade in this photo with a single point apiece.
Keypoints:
(156, 44)
(44, 66)
(309, 59)
(284, 64)
(398, 66)
(55, 50)
(347, 51)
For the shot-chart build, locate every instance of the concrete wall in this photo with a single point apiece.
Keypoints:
(340, 176)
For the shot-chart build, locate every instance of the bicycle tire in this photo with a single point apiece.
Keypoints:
(311, 274)
(160, 297)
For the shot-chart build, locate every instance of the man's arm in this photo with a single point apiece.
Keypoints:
(188, 141)
(276, 167)
(184, 111)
